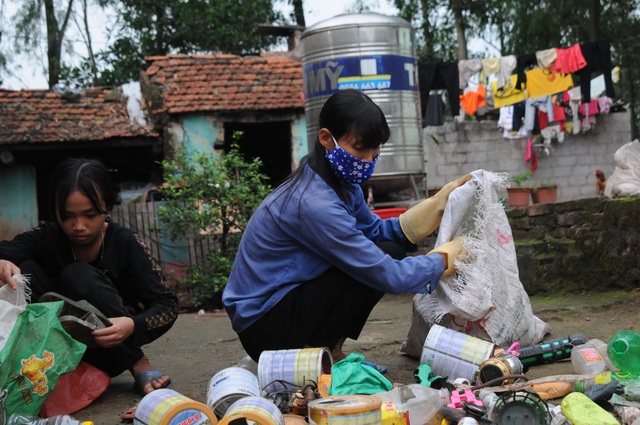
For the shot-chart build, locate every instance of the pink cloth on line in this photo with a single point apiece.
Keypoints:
(593, 107)
(569, 60)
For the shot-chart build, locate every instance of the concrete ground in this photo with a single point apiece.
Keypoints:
(198, 346)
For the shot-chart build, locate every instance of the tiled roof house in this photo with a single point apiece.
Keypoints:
(201, 100)
(196, 101)
(38, 128)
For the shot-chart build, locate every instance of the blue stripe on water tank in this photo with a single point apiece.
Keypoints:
(372, 72)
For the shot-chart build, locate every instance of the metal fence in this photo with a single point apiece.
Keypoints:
(142, 218)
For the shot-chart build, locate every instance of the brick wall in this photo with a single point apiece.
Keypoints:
(471, 145)
(583, 245)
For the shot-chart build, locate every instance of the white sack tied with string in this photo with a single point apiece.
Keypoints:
(625, 179)
(485, 298)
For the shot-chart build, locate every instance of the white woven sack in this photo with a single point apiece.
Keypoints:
(12, 304)
(485, 298)
(625, 179)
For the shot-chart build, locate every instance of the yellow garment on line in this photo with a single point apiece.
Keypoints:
(489, 66)
(509, 96)
(541, 82)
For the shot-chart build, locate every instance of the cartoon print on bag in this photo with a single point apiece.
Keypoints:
(34, 369)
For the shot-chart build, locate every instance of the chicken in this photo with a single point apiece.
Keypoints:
(601, 182)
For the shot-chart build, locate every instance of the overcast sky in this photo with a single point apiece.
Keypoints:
(29, 71)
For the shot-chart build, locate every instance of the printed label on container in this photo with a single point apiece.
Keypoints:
(190, 417)
(591, 355)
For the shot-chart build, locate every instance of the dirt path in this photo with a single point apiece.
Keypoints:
(199, 346)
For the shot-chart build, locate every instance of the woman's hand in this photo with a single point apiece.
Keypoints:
(121, 328)
(7, 270)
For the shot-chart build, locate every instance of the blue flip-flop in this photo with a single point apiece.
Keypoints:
(380, 368)
(146, 376)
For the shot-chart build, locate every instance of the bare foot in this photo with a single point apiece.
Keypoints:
(337, 352)
(146, 384)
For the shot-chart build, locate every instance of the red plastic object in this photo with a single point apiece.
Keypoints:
(458, 397)
(389, 212)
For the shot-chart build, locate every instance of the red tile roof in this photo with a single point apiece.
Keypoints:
(225, 83)
(46, 116)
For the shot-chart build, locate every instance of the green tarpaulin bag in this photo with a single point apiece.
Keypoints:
(351, 376)
(34, 350)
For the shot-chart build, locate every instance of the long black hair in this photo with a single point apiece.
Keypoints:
(88, 176)
(345, 112)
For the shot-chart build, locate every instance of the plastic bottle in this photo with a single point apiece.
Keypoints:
(249, 364)
(18, 419)
(421, 402)
(557, 418)
(629, 381)
(624, 351)
(489, 399)
(587, 360)
(550, 351)
(580, 410)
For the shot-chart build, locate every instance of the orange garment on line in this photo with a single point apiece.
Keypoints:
(473, 100)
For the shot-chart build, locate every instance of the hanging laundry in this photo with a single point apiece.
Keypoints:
(466, 69)
(588, 110)
(434, 111)
(552, 132)
(531, 108)
(573, 98)
(546, 57)
(540, 82)
(472, 100)
(518, 117)
(489, 67)
(604, 104)
(522, 63)
(507, 65)
(441, 75)
(569, 60)
(598, 57)
(509, 95)
(505, 122)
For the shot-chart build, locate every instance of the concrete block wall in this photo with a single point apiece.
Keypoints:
(471, 145)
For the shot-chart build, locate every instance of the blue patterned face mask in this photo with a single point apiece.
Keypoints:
(348, 167)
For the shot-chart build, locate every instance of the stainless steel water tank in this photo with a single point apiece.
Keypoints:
(376, 54)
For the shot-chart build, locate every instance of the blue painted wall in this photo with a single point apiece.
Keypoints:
(199, 134)
(19, 207)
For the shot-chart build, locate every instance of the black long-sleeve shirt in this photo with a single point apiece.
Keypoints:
(127, 262)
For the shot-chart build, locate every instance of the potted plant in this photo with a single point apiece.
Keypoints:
(518, 194)
(545, 193)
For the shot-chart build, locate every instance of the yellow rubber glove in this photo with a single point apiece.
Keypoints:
(450, 251)
(422, 219)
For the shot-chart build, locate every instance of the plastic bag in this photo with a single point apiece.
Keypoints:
(35, 350)
(75, 390)
(351, 376)
(625, 179)
(485, 298)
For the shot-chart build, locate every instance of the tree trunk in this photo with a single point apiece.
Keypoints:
(298, 12)
(55, 36)
(594, 20)
(456, 7)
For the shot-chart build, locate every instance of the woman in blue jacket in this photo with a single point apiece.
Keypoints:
(314, 260)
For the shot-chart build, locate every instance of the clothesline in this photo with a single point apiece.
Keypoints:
(538, 74)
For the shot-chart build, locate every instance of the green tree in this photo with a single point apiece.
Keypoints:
(161, 27)
(214, 197)
(56, 17)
